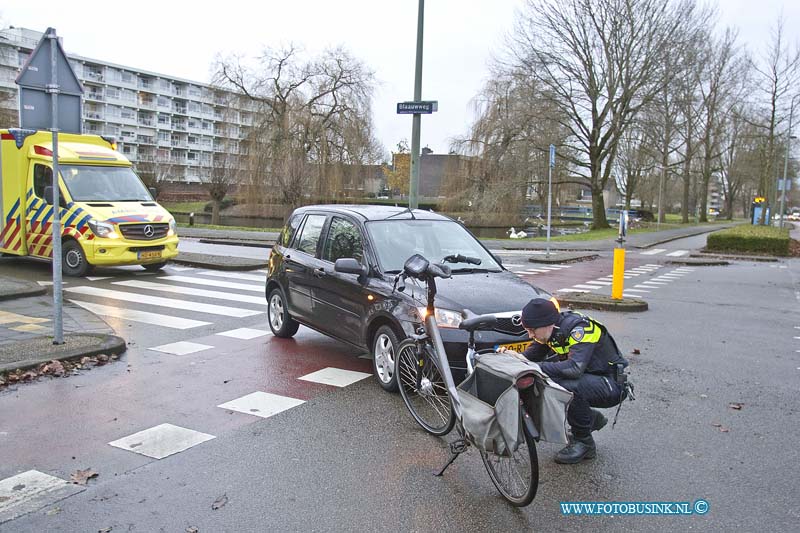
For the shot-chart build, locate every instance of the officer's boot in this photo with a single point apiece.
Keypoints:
(599, 421)
(582, 447)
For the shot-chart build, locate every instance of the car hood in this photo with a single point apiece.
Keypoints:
(126, 212)
(493, 292)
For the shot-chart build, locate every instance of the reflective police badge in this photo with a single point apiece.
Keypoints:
(577, 334)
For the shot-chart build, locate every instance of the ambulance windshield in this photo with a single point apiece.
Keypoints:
(108, 184)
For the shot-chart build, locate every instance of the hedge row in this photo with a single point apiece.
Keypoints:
(750, 239)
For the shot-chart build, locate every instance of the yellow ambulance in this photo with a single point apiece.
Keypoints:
(108, 216)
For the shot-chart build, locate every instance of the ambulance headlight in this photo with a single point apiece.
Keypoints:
(173, 228)
(103, 229)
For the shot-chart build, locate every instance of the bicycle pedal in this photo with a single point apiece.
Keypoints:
(458, 446)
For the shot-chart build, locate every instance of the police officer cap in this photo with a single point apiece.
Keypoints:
(538, 313)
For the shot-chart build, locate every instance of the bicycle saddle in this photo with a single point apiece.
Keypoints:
(478, 322)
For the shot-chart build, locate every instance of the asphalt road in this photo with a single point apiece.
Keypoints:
(351, 458)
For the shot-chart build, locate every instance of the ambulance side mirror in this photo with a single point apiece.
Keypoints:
(48, 194)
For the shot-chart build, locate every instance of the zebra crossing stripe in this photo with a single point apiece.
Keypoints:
(214, 283)
(678, 253)
(236, 275)
(654, 251)
(144, 317)
(244, 298)
(599, 282)
(637, 290)
(589, 287)
(163, 302)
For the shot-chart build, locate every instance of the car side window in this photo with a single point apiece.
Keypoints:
(344, 240)
(42, 177)
(289, 230)
(309, 235)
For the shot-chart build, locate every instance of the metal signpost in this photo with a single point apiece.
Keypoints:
(417, 107)
(47, 72)
(784, 185)
(549, 193)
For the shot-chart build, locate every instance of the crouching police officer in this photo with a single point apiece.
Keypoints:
(589, 365)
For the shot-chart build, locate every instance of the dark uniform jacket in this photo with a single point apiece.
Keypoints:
(582, 345)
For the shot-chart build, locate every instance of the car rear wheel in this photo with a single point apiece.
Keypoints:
(281, 324)
(384, 350)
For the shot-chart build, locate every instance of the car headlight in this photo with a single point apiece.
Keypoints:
(445, 318)
(103, 229)
(173, 228)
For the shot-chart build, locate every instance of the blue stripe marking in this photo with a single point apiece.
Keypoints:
(48, 214)
(72, 217)
(38, 212)
(13, 211)
(31, 206)
(83, 222)
(30, 192)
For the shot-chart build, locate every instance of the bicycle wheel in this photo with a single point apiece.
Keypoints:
(423, 389)
(516, 475)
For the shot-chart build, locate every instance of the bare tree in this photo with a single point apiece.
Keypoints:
(722, 71)
(599, 63)
(155, 171)
(776, 76)
(311, 115)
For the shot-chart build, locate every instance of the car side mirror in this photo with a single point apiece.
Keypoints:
(153, 192)
(48, 194)
(348, 265)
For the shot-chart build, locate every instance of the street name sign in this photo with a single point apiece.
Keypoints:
(413, 108)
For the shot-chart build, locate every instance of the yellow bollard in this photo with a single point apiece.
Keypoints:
(618, 274)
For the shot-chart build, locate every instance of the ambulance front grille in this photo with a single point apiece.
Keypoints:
(144, 232)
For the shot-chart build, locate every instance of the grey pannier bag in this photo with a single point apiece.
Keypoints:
(490, 404)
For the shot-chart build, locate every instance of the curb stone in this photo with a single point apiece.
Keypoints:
(229, 264)
(564, 258)
(602, 303)
(106, 344)
(698, 262)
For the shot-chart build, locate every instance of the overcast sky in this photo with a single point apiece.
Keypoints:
(181, 38)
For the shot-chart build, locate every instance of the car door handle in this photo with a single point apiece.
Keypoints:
(319, 272)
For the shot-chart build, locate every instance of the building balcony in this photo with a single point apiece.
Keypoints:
(91, 95)
(93, 115)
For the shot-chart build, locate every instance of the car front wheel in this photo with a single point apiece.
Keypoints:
(281, 324)
(73, 260)
(384, 351)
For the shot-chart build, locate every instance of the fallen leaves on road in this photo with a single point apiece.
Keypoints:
(636, 351)
(55, 368)
(105, 530)
(219, 502)
(736, 406)
(82, 477)
(192, 529)
(720, 427)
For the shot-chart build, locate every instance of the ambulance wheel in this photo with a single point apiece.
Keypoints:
(154, 267)
(73, 260)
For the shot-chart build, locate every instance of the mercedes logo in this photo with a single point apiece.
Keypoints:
(149, 231)
(516, 320)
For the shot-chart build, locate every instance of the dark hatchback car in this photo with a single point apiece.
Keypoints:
(333, 269)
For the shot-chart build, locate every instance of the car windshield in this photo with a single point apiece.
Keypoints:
(109, 184)
(397, 240)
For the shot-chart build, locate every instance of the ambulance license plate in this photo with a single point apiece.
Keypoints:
(150, 254)
(518, 347)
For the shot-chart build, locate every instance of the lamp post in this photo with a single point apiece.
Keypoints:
(786, 158)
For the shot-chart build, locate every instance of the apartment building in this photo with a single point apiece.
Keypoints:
(173, 124)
